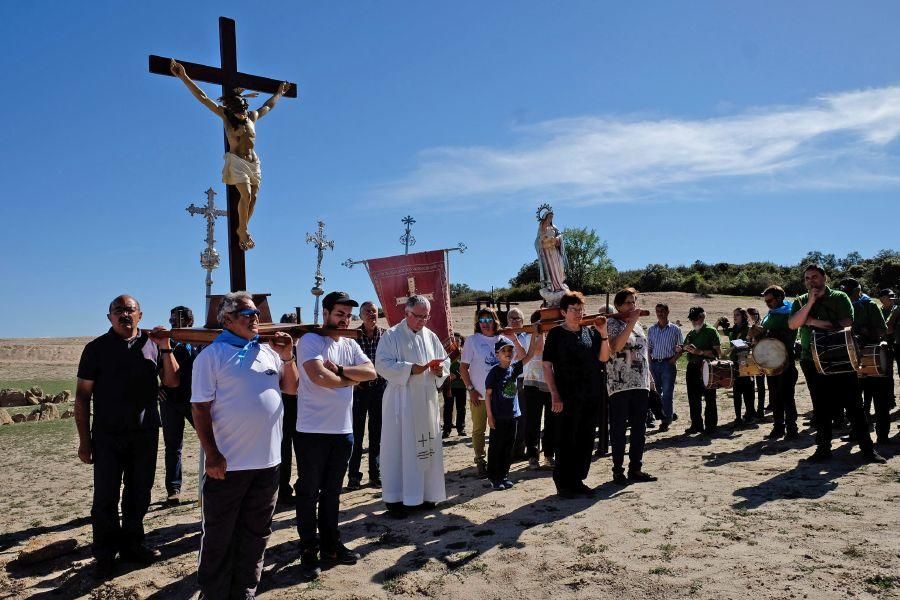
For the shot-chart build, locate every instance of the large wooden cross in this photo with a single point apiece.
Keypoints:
(229, 78)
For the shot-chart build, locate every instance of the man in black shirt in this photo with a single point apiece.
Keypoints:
(175, 405)
(118, 371)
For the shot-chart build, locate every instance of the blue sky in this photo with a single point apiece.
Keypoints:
(719, 131)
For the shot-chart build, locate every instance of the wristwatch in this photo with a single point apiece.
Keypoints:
(340, 371)
(470, 388)
(165, 351)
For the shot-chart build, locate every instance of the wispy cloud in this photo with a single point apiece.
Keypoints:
(837, 140)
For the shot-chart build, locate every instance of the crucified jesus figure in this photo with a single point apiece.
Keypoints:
(242, 168)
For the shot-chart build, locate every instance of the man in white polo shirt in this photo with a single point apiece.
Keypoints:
(329, 368)
(236, 404)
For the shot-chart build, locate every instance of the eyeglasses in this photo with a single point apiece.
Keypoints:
(420, 317)
(575, 309)
(247, 312)
(485, 320)
(128, 310)
(514, 318)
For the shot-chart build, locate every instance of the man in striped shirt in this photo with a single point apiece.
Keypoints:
(663, 338)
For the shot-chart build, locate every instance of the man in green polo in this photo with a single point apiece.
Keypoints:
(870, 328)
(701, 344)
(825, 309)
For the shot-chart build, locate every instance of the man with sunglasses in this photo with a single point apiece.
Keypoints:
(175, 405)
(237, 384)
(118, 372)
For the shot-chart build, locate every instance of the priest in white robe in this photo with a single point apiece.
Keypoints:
(413, 361)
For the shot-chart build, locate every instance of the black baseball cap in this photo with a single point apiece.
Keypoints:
(849, 284)
(502, 343)
(887, 292)
(333, 298)
(696, 312)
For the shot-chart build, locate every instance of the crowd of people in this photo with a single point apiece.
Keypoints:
(542, 395)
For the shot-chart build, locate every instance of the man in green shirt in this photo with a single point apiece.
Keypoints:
(701, 344)
(781, 387)
(825, 309)
(870, 328)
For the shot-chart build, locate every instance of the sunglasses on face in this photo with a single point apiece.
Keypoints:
(247, 312)
(485, 320)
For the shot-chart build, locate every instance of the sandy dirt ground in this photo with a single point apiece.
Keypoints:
(735, 516)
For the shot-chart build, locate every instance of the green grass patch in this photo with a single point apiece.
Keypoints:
(667, 551)
(643, 530)
(884, 582)
(50, 386)
(661, 571)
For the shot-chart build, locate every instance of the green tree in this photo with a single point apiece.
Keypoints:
(459, 289)
(589, 263)
(528, 273)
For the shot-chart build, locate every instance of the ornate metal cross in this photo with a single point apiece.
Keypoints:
(321, 244)
(209, 258)
(407, 238)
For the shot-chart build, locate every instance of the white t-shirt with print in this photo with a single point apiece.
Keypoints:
(628, 369)
(478, 353)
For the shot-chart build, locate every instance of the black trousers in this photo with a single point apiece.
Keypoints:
(602, 416)
(237, 523)
(881, 391)
(173, 414)
(500, 448)
(127, 462)
(456, 397)
(288, 426)
(831, 393)
(697, 395)
(781, 394)
(743, 394)
(366, 403)
(321, 464)
(628, 407)
(577, 426)
(538, 403)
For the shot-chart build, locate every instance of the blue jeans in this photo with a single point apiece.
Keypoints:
(664, 376)
(173, 415)
(321, 465)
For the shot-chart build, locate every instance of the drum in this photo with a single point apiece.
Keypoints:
(834, 352)
(771, 356)
(756, 332)
(718, 374)
(744, 363)
(875, 360)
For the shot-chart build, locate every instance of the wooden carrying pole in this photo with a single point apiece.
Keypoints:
(585, 321)
(266, 333)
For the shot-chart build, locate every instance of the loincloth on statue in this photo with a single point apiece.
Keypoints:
(238, 170)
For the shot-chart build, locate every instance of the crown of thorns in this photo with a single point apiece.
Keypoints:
(238, 93)
(543, 210)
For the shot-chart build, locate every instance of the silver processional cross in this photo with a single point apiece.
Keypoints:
(321, 244)
(209, 258)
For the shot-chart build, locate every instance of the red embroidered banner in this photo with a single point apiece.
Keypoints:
(397, 277)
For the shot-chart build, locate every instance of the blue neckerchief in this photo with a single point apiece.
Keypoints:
(784, 309)
(226, 337)
(862, 299)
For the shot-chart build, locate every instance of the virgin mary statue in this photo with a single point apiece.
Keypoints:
(551, 252)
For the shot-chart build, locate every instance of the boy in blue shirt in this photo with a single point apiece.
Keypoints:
(502, 404)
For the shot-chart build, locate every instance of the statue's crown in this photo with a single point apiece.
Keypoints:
(543, 210)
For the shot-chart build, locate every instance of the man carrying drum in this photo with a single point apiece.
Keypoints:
(870, 329)
(820, 310)
(781, 386)
(701, 343)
